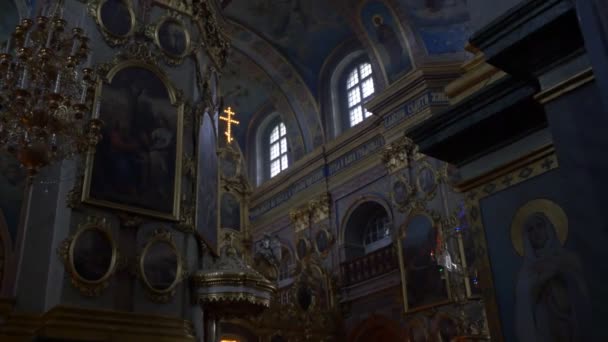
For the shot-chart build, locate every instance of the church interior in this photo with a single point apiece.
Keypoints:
(303, 170)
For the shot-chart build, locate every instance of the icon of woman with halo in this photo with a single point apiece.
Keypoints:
(552, 302)
(387, 36)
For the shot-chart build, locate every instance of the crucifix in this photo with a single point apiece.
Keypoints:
(229, 121)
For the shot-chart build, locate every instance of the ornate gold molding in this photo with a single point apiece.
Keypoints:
(300, 218)
(320, 208)
(89, 287)
(113, 40)
(215, 40)
(161, 295)
(400, 153)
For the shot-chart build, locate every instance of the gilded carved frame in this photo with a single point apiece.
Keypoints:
(90, 288)
(435, 219)
(94, 9)
(152, 32)
(161, 295)
(107, 73)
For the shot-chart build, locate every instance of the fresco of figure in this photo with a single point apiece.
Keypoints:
(552, 303)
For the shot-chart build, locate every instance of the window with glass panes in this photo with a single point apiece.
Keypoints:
(278, 149)
(377, 228)
(359, 88)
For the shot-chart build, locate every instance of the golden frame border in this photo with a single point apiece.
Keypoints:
(153, 32)
(175, 102)
(308, 248)
(330, 241)
(112, 39)
(90, 288)
(435, 220)
(534, 164)
(430, 195)
(400, 177)
(164, 295)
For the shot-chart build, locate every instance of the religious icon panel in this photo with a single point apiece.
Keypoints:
(137, 165)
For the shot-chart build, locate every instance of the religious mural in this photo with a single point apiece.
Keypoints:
(160, 265)
(245, 87)
(230, 212)
(443, 25)
(305, 31)
(135, 163)
(207, 201)
(12, 187)
(424, 282)
(387, 38)
(551, 295)
(543, 286)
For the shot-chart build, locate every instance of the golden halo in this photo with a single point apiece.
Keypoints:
(552, 210)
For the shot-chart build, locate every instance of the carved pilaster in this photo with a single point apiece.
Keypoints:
(319, 208)
(300, 218)
(399, 154)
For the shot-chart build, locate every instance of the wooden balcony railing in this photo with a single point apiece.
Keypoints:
(369, 266)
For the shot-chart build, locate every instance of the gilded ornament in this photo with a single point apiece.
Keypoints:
(161, 267)
(319, 208)
(300, 218)
(427, 180)
(171, 36)
(123, 14)
(182, 6)
(90, 265)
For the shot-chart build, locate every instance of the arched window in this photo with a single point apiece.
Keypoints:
(377, 228)
(359, 88)
(368, 228)
(277, 147)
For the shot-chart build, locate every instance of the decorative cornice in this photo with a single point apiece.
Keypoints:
(479, 124)
(478, 74)
(409, 86)
(565, 86)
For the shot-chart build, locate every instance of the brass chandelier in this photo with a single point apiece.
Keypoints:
(45, 94)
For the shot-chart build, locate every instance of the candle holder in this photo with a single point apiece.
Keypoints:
(45, 106)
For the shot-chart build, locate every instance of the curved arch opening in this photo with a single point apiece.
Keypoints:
(368, 228)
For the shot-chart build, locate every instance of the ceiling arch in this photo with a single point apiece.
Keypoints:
(284, 76)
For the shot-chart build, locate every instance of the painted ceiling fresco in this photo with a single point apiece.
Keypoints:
(305, 31)
(442, 25)
(246, 88)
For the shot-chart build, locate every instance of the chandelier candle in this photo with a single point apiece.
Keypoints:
(45, 97)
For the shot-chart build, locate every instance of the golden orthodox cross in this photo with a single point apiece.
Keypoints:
(229, 121)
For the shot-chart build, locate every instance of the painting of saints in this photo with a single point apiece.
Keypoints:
(135, 162)
(552, 302)
(161, 266)
(173, 38)
(424, 283)
(230, 212)
(387, 38)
